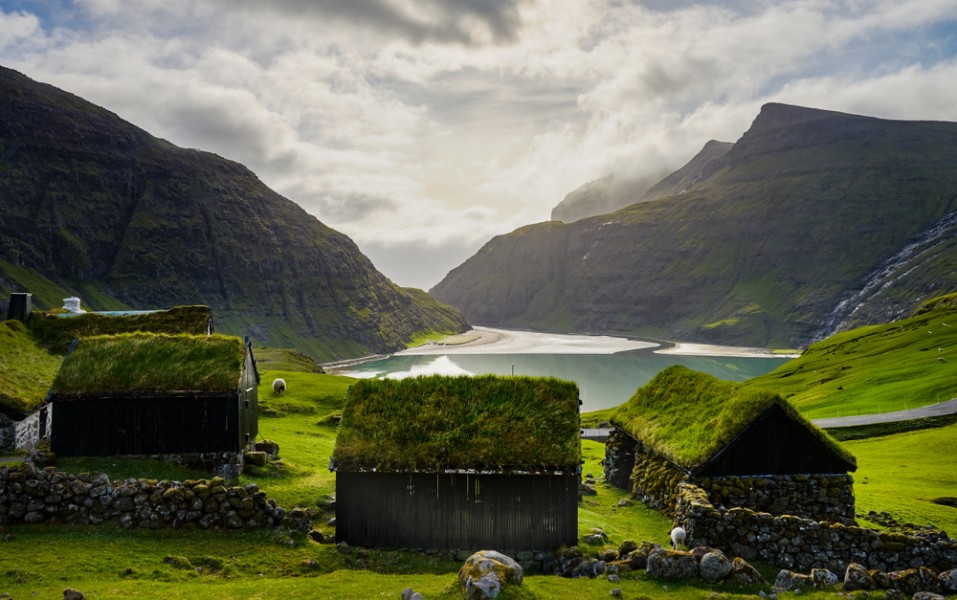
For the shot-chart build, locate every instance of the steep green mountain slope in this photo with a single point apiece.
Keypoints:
(814, 220)
(96, 207)
(877, 368)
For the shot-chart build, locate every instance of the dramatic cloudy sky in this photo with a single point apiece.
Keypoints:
(422, 128)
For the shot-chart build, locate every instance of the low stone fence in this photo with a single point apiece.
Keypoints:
(801, 544)
(32, 495)
(822, 497)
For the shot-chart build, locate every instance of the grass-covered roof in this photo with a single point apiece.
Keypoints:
(56, 331)
(688, 416)
(440, 423)
(145, 363)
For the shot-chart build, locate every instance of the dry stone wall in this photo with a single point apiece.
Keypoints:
(653, 479)
(801, 544)
(820, 497)
(32, 495)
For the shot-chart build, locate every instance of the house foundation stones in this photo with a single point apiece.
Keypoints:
(32, 495)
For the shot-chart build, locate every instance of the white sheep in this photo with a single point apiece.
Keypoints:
(678, 536)
(279, 386)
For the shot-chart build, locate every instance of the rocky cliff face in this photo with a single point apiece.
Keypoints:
(96, 207)
(753, 244)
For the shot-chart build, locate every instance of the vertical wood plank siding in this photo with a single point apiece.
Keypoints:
(451, 511)
(117, 426)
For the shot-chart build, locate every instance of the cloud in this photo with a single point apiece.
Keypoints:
(422, 127)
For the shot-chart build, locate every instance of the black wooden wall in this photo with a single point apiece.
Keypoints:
(152, 425)
(451, 511)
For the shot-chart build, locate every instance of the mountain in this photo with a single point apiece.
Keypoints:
(96, 207)
(813, 221)
(614, 192)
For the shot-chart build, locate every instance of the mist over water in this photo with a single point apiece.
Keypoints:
(604, 380)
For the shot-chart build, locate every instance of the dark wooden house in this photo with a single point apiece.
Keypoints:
(459, 463)
(143, 393)
(745, 448)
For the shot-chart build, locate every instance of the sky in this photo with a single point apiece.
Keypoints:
(423, 128)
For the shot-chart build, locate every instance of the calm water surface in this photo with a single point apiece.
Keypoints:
(605, 380)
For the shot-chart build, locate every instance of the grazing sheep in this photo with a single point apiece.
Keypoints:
(678, 536)
(279, 386)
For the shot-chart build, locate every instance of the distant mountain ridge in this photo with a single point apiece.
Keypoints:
(757, 243)
(614, 192)
(97, 207)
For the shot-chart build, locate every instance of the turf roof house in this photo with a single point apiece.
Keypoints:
(146, 394)
(747, 449)
(459, 463)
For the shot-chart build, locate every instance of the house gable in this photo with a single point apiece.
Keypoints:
(774, 443)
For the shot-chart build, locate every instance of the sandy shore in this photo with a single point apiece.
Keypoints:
(681, 348)
(485, 340)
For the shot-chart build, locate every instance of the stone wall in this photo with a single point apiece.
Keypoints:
(820, 497)
(32, 495)
(28, 430)
(801, 544)
(8, 432)
(655, 480)
(619, 458)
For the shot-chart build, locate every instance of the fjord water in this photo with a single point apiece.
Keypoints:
(604, 380)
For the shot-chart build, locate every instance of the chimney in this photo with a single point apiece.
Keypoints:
(21, 304)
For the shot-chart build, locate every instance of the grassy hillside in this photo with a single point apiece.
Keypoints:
(95, 207)
(878, 368)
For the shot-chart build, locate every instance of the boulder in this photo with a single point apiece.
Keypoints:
(625, 547)
(255, 458)
(71, 594)
(486, 573)
(636, 559)
(928, 596)
(270, 447)
(743, 574)
(671, 564)
(714, 566)
(410, 594)
(856, 578)
(823, 578)
(789, 581)
(908, 581)
(948, 581)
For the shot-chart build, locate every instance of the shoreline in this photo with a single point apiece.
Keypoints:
(489, 340)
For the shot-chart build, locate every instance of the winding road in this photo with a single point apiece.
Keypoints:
(931, 410)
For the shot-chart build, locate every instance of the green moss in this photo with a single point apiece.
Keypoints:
(687, 416)
(147, 362)
(436, 423)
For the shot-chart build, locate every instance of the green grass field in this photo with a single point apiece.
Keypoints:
(897, 474)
